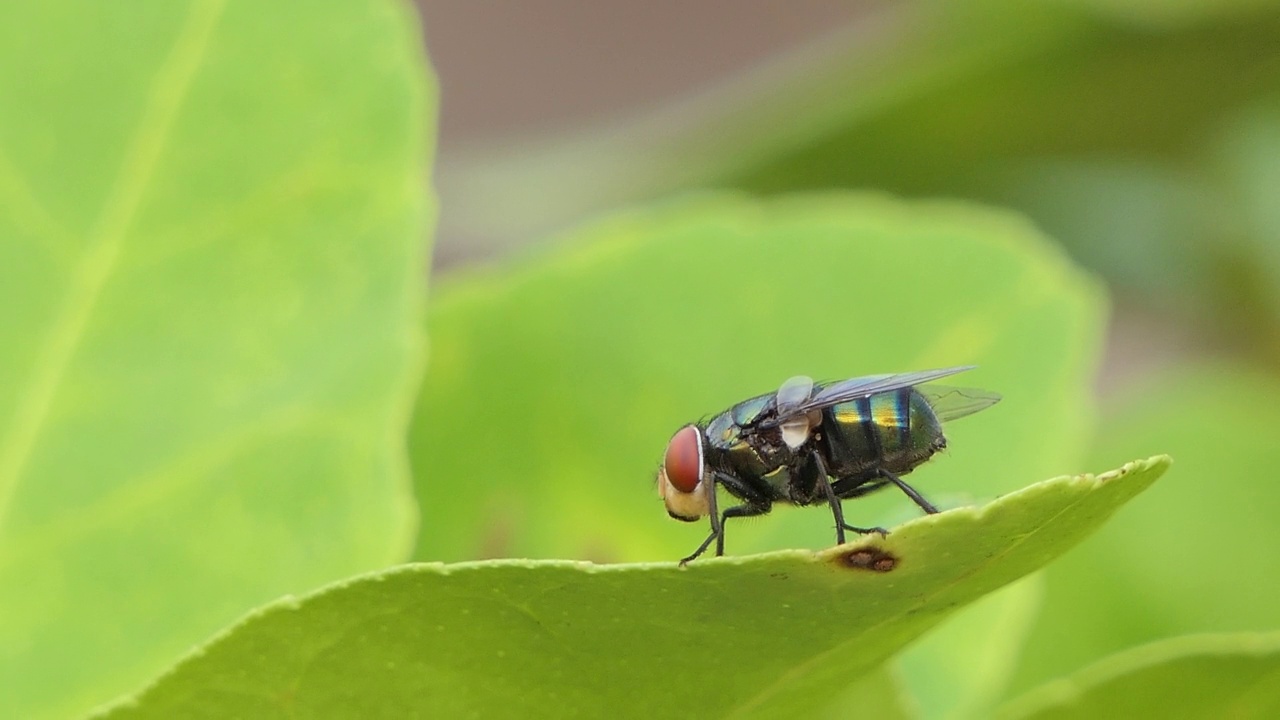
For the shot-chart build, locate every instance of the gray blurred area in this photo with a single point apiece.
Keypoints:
(514, 74)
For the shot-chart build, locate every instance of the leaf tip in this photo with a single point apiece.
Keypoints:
(1156, 465)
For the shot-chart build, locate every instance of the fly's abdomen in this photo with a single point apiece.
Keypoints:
(895, 431)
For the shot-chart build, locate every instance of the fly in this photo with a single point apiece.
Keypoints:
(812, 443)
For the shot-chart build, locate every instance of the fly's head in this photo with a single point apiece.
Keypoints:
(683, 480)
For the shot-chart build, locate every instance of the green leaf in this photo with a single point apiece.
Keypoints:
(555, 384)
(766, 635)
(1167, 569)
(211, 248)
(1210, 676)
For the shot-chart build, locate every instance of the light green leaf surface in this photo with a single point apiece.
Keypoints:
(760, 636)
(1167, 566)
(555, 383)
(212, 220)
(1187, 678)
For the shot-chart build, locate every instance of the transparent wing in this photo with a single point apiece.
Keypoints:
(949, 403)
(846, 390)
(794, 393)
(795, 425)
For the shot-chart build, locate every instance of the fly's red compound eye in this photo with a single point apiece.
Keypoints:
(683, 461)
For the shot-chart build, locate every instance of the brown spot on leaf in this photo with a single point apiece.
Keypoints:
(868, 558)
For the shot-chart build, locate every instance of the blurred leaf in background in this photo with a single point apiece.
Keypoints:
(555, 384)
(1199, 554)
(1197, 677)
(211, 248)
(1247, 158)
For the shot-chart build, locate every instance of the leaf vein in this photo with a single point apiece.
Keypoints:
(103, 247)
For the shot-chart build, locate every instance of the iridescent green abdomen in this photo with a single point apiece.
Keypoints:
(895, 431)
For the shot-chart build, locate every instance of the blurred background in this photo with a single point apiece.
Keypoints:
(1141, 135)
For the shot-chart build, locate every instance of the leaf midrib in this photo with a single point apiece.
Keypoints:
(103, 246)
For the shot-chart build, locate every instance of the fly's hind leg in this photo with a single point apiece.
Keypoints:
(916, 497)
(851, 488)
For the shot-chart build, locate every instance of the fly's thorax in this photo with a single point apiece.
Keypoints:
(723, 433)
(732, 449)
(780, 482)
(748, 411)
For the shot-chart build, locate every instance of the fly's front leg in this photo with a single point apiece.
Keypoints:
(717, 529)
(756, 504)
(701, 548)
(737, 511)
(916, 497)
(717, 526)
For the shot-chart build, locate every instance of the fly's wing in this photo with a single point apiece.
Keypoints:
(847, 390)
(949, 403)
(794, 393)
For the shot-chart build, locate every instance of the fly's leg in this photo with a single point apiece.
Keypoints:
(916, 497)
(854, 487)
(755, 505)
(717, 527)
(868, 530)
(850, 488)
(717, 532)
(737, 511)
(837, 510)
(701, 549)
(858, 489)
